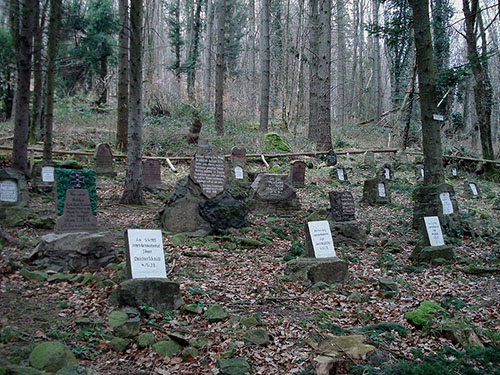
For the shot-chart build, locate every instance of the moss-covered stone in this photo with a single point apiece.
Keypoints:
(75, 370)
(20, 370)
(119, 344)
(61, 276)
(215, 313)
(188, 354)
(145, 340)
(51, 356)
(178, 239)
(273, 142)
(257, 336)
(248, 243)
(233, 366)
(192, 308)
(167, 348)
(424, 314)
(34, 275)
(250, 321)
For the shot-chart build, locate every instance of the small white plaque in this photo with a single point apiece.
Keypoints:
(454, 172)
(446, 202)
(473, 188)
(8, 191)
(321, 238)
(381, 190)
(434, 231)
(438, 117)
(48, 174)
(422, 172)
(387, 173)
(147, 259)
(238, 173)
(340, 174)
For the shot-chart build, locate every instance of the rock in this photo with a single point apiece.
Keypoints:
(233, 366)
(224, 213)
(273, 142)
(429, 254)
(257, 336)
(179, 338)
(144, 340)
(61, 276)
(178, 239)
(272, 194)
(320, 285)
(199, 342)
(324, 365)
(71, 164)
(123, 325)
(215, 313)
(350, 233)
(75, 370)
(51, 356)
(76, 251)
(167, 348)
(189, 354)
(387, 287)
(352, 346)
(329, 270)
(250, 321)
(20, 370)
(34, 275)
(192, 308)
(116, 318)
(377, 358)
(248, 243)
(464, 336)
(160, 294)
(369, 159)
(376, 191)
(119, 344)
(424, 314)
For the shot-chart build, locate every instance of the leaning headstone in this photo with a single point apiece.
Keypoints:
(472, 189)
(13, 196)
(453, 171)
(342, 219)
(339, 174)
(432, 247)
(274, 194)
(208, 171)
(298, 173)
(369, 159)
(376, 191)
(43, 176)
(331, 158)
(104, 161)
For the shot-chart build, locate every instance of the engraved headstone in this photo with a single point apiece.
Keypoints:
(238, 157)
(8, 191)
(369, 159)
(77, 214)
(434, 232)
(104, 160)
(272, 186)
(75, 179)
(321, 238)
(419, 172)
(151, 172)
(238, 173)
(208, 170)
(13, 188)
(342, 206)
(376, 191)
(297, 173)
(331, 158)
(381, 190)
(144, 252)
(341, 174)
(48, 174)
(474, 189)
(273, 193)
(454, 172)
(387, 173)
(446, 203)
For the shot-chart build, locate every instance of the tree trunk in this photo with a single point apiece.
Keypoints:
(54, 22)
(251, 56)
(324, 140)
(132, 193)
(377, 67)
(193, 52)
(123, 52)
(314, 84)
(207, 77)
(22, 22)
(408, 103)
(265, 68)
(103, 97)
(341, 64)
(219, 68)
(431, 132)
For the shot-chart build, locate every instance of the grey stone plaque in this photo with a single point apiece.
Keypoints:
(151, 172)
(342, 206)
(209, 172)
(77, 215)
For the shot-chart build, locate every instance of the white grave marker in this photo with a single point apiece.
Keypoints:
(381, 190)
(8, 191)
(446, 202)
(438, 117)
(48, 174)
(387, 173)
(422, 172)
(434, 231)
(340, 174)
(146, 257)
(473, 187)
(321, 238)
(238, 173)
(454, 172)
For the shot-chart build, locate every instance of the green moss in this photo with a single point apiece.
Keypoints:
(63, 184)
(424, 314)
(273, 142)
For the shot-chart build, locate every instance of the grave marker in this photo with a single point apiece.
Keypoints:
(331, 158)
(238, 173)
(340, 174)
(238, 156)
(8, 191)
(446, 203)
(376, 191)
(387, 173)
(381, 190)
(151, 172)
(342, 206)
(208, 170)
(144, 252)
(321, 239)
(104, 160)
(75, 179)
(48, 174)
(474, 189)
(77, 214)
(434, 231)
(298, 173)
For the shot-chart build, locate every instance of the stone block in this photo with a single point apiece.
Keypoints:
(329, 270)
(161, 294)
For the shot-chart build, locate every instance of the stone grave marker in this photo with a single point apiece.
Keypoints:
(48, 174)
(342, 206)
(376, 191)
(8, 191)
(238, 173)
(419, 172)
(43, 176)
(331, 158)
(13, 196)
(151, 172)
(104, 161)
(434, 232)
(75, 179)
(472, 189)
(454, 172)
(385, 172)
(273, 193)
(446, 203)
(298, 173)
(238, 157)
(208, 170)
(77, 213)
(369, 159)
(144, 252)
(320, 237)
(339, 173)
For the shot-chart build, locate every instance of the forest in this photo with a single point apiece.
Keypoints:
(249, 186)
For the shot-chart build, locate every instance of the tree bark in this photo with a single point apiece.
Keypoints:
(251, 56)
(123, 52)
(207, 77)
(132, 193)
(431, 132)
(341, 64)
(265, 68)
(54, 22)
(377, 67)
(22, 21)
(314, 83)
(219, 68)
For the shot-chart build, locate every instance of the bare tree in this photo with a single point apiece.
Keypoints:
(265, 66)
(219, 68)
(122, 106)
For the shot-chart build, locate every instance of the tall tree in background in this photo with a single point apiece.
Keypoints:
(123, 52)
(324, 141)
(314, 83)
(341, 62)
(252, 77)
(219, 67)
(377, 94)
(36, 110)
(176, 42)
(54, 24)
(479, 66)
(207, 73)
(132, 193)
(22, 19)
(191, 63)
(265, 66)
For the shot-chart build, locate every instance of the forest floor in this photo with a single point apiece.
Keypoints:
(251, 282)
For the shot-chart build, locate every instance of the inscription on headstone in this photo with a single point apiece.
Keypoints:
(47, 174)
(446, 203)
(387, 173)
(145, 257)
(340, 174)
(298, 173)
(8, 191)
(331, 158)
(238, 173)
(454, 172)
(434, 231)
(77, 214)
(473, 188)
(209, 172)
(321, 238)
(342, 206)
(271, 186)
(71, 179)
(151, 172)
(381, 190)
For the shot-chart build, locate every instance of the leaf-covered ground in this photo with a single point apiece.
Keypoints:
(251, 282)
